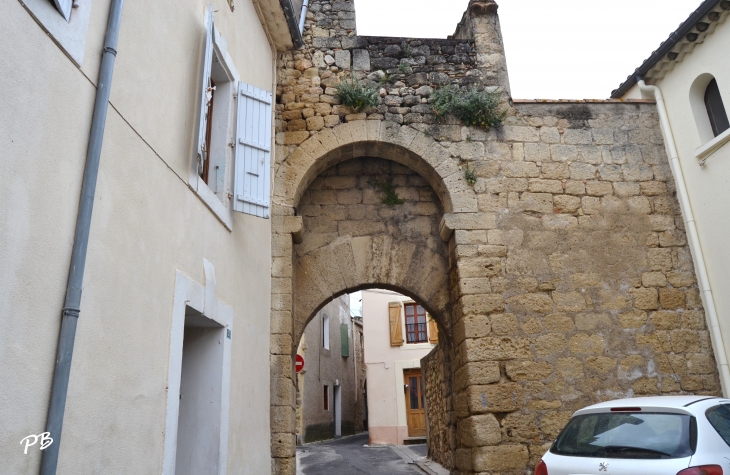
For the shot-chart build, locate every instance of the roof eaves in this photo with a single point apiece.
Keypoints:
(677, 36)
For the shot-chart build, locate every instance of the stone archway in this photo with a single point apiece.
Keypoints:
(333, 235)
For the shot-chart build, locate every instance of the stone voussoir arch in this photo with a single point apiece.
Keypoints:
(375, 138)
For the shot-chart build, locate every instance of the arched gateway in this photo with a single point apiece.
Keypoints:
(333, 234)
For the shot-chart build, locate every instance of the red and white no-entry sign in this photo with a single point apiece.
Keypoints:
(300, 363)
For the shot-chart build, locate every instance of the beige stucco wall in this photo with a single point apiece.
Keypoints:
(708, 186)
(147, 224)
(385, 364)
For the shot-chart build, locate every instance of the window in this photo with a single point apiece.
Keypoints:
(416, 324)
(64, 8)
(719, 417)
(232, 154)
(326, 394)
(325, 332)
(627, 436)
(66, 21)
(716, 109)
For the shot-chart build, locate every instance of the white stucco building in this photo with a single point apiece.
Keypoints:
(398, 333)
(170, 369)
(689, 75)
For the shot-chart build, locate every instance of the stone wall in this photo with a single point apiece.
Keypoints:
(348, 229)
(587, 284)
(439, 413)
(404, 69)
(565, 278)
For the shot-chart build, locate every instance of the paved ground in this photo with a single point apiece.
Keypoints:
(348, 456)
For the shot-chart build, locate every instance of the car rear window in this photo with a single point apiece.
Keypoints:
(626, 436)
(719, 417)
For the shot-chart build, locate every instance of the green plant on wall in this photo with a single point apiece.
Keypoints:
(356, 95)
(470, 174)
(404, 68)
(387, 190)
(473, 106)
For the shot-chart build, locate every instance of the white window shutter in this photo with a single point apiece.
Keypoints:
(64, 7)
(205, 93)
(253, 151)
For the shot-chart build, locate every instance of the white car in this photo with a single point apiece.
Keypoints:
(664, 435)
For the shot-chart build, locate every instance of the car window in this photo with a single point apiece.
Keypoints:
(719, 417)
(626, 435)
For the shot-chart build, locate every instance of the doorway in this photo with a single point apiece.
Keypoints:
(415, 406)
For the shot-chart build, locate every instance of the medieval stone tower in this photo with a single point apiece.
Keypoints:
(559, 277)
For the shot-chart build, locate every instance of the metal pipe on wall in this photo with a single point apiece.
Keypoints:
(72, 303)
(303, 16)
(703, 277)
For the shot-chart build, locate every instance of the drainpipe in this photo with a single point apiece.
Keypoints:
(72, 304)
(692, 235)
(303, 16)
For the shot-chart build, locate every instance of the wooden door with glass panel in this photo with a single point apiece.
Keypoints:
(415, 407)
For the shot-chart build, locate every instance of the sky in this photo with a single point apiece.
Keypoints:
(556, 49)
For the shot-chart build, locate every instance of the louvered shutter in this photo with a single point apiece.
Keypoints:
(433, 330)
(345, 339)
(253, 151)
(205, 92)
(396, 330)
(64, 7)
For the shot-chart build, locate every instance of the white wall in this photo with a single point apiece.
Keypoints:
(147, 224)
(385, 364)
(708, 186)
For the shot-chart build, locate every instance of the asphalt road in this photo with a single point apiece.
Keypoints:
(348, 457)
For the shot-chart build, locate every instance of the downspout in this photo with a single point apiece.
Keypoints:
(303, 16)
(692, 235)
(72, 304)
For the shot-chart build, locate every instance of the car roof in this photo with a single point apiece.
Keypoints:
(679, 402)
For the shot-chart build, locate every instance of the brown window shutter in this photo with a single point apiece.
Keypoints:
(433, 330)
(396, 330)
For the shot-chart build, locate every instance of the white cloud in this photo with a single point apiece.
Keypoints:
(556, 49)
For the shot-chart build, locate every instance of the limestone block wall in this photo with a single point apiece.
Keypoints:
(439, 411)
(351, 238)
(583, 289)
(564, 277)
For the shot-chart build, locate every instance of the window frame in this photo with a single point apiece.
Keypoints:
(416, 324)
(716, 108)
(69, 35)
(222, 112)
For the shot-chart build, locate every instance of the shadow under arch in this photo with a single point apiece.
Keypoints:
(440, 315)
(374, 138)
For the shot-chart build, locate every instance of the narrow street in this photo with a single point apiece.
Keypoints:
(349, 456)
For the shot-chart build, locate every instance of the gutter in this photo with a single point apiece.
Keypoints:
(72, 303)
(303, 16)
(666, 47)
(692, 235)
(291, 21)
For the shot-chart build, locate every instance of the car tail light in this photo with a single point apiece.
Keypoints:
(703, 470)
(541, 469)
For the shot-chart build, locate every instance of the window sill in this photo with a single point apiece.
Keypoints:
(417, 346)
(704, 152)
(207, 196)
